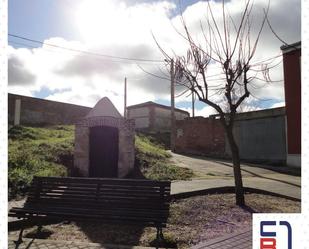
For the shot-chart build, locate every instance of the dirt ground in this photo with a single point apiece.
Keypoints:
(191, 221)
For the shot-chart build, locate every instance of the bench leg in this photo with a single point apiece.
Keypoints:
(20, 238)
(38, 231)
(160, 236)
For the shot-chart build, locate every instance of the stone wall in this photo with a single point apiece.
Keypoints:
(126, 134)
(34, 111)
(81, 151)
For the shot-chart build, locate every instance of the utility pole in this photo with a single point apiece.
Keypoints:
(193, 100)
(125, 98)
(173, 133)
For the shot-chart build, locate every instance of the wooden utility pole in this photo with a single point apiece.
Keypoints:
(193, 100)
(125, 98)
(173, 132)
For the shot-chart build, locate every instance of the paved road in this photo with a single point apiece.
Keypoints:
(211, 173)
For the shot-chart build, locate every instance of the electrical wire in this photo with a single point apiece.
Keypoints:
(78, 54)
(85, 52)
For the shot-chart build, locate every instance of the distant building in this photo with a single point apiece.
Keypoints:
(292, 87)
(153, 117)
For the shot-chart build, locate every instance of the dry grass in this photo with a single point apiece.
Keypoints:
(191, 221)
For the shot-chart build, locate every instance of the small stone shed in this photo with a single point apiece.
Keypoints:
(104, 143)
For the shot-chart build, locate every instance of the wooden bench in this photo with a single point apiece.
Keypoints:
(121, 201)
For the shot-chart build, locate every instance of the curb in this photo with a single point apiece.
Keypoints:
(228, 190)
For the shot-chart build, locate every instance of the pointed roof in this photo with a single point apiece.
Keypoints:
(104, 108)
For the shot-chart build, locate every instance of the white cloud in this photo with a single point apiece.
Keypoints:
(279, 104)
(202, 112)
(123, 29)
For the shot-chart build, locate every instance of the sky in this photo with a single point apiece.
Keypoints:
(109, 29)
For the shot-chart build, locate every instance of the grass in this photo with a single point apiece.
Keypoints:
(37, 152)
(48, 151)
(191, 221)
(153, 161)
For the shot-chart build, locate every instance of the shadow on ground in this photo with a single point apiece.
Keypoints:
(264, 177)
(111, 233)
(264, 165)
(96, 232)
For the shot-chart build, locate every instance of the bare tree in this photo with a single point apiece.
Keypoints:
(231, 46)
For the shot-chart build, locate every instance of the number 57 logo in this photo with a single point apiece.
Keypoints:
(268, 239)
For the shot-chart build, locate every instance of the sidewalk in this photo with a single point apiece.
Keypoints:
(273, 186)
(241, 240)
(211, 174)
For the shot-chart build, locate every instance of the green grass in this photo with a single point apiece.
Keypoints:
(48, 151)
(37, 152)
(153, 161)
(147, 148)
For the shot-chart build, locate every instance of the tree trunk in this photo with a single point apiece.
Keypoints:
(239, 191)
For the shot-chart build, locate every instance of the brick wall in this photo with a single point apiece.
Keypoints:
(260, 136)
(200, 136)
(292, 85)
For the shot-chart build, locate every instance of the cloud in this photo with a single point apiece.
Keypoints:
(85, 66)
(279, 104)
(124, 30)
(204, 111)
(18, 75)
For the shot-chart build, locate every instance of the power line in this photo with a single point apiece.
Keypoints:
(85, 52)
(96, 58)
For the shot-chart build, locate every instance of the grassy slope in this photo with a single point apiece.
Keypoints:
(153, 161)
(37, 151)
(49, 152)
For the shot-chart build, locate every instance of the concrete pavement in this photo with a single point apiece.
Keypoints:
(211, 173)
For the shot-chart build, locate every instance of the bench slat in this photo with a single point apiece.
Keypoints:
(101, 212)
(112, 200)
(102, 216)
(111, 181)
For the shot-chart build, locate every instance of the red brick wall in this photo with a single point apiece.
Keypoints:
(292, 85)
(204, 136)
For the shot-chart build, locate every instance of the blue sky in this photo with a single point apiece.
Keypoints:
(40, 19)
(120, 28)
